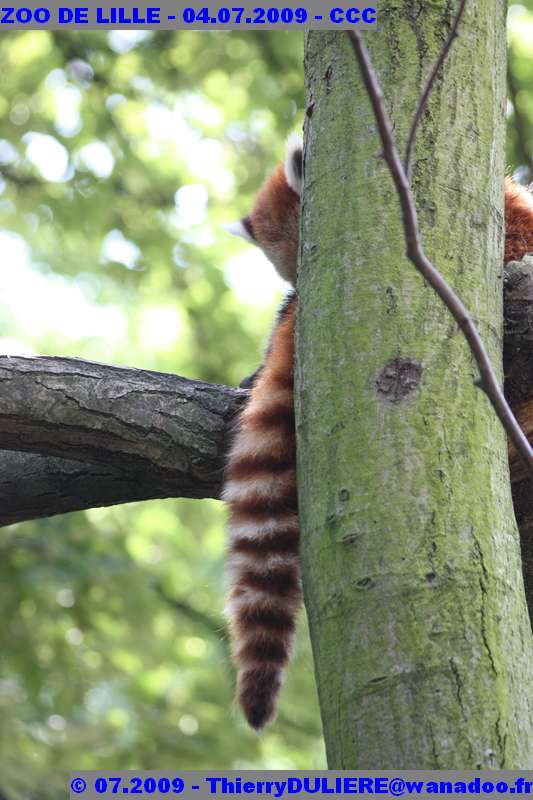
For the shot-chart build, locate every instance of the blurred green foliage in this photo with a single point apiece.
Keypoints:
(520, 91)
(121, 155)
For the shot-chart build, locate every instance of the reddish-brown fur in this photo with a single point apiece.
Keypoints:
(518, 221)
(266, 593)
(265, 601)
(274, 221)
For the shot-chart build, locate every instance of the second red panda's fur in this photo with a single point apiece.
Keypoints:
(260, 487)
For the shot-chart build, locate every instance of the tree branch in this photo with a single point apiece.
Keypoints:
(216, 627)
(34, 485)
(87, 434)
(415, 253)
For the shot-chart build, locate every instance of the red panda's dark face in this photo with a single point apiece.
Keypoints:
(273, 223)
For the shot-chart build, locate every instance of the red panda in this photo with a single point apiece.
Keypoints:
(260, 481)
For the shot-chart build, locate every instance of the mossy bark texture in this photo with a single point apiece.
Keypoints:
(412, 575)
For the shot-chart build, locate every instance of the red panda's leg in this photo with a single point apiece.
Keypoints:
(260, 490)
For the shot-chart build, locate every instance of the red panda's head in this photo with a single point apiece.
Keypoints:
(273, 223)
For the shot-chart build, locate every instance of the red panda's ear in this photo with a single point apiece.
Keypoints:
(294, 162)
(242, 228)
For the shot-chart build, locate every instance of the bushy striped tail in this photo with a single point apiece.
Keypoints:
(264, 562)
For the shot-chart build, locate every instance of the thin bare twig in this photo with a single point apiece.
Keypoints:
(429, 86)
(217, 628)
(415, 253)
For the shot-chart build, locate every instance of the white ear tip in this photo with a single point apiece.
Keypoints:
(238, 229)
(294, 142)
(293, 162)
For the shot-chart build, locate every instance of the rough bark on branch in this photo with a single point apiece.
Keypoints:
(87, 434)
(93, 471)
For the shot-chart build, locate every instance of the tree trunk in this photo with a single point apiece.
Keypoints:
(412, 573)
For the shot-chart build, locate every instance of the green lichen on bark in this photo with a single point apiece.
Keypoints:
(421, 637)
